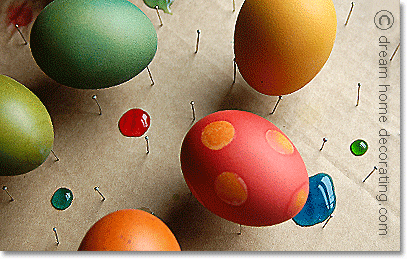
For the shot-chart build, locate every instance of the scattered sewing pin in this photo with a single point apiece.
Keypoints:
(374, 169)
(94, 97)
(323, 143)
(398, 46)
(97, 189)
(56, 158)
(234, 6)
(357, 101)
(193, 110)
(148, 148)
(158, 14)
(146, 210)
(151, 77)
(197, 40)
(234, 70)
(56, 235)
(21, 34)
(326, 222)
(351, 8)
(5, 189)
(275, 106)
(240, 229)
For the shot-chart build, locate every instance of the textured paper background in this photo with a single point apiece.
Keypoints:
(93, 152)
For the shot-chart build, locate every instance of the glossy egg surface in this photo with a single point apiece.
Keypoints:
(26, 131)
(243, 168)
(281, 45)
(129, 230)
(92, 44)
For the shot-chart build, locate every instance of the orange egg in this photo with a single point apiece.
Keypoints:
(243, 168)
(129, 230)
(281, 45)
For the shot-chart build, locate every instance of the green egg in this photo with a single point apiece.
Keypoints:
(92, 44)
(26, 132)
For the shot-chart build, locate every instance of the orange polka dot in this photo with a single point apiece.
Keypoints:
(298, 201)
(231, 189)
(279, 142)
(217, 135)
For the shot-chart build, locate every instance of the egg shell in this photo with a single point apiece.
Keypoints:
(281, 45)
(92, 44)
(26, 131)
(129, 230)
(273, 186)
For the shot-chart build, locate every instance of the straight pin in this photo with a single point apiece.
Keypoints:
(234, 70)
(148, 148)
(357, 101)
(97, 189)
(351, 8)
(94, 97)
(21, 34)
(151, 77)
(275, 106)
(240, 229)
(5, 189)
(374, 169)
(323, 143)
(158, 14)
(326, 222)
(398, 46)
(197, 40)
(234, 6)
(56, 235)
(193, 110)
(56, 158)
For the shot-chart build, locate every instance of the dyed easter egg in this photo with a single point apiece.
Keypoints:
(161, 4)
(92, 44)
(243, 168)
(129, 230)
(281, 45)
(321, 201)
(26, 131)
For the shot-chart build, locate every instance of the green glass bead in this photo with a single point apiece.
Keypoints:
(358, 147)
(62, 198)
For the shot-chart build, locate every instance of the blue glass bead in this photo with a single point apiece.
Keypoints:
(321, 201)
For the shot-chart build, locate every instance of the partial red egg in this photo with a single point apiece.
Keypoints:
(244, 169)
(129, 230)
(134, 123)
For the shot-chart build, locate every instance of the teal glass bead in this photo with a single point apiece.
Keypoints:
(62, 199)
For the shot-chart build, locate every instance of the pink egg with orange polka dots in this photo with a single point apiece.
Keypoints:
(244, 169)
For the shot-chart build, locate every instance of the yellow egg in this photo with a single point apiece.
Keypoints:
(281, 45)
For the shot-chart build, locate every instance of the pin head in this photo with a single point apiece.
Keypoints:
(192, 102)
(4, 187)
(94, 96)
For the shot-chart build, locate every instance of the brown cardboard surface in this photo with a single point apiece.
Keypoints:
(93, 152)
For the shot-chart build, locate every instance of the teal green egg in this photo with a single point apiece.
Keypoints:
(92, 44)
(161, 4)
(26, 131)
